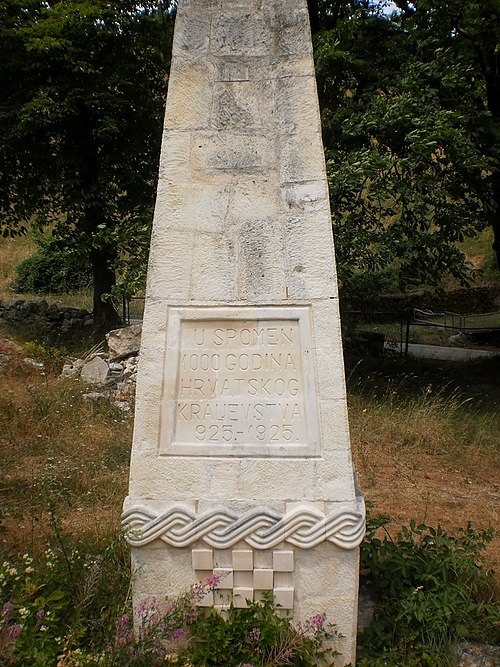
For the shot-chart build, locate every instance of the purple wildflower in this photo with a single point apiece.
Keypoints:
(178, 634)
(147, 608)
(191, 617)
(122, 630)
(40, 614)
(317, 622)
(14, 631)
(7, 609)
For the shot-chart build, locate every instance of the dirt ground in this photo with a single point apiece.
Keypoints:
(431, 492)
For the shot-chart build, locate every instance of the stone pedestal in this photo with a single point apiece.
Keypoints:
(241, 457)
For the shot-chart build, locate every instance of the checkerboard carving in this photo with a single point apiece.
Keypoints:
(244, 581)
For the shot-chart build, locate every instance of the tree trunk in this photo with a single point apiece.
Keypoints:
(105, 315)
(493, 98)
(495, 216)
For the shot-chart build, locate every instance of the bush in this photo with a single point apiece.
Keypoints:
(66, 598)
(430, 592)
(259, 637)
(62, 612)
(51, 270)
(71, 609)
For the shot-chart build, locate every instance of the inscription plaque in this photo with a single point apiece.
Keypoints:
(243, 385)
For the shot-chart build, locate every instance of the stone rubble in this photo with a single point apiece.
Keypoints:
(124, 342)
(32, 362)
(113, 373)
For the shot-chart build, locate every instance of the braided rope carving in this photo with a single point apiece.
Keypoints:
(221, 528)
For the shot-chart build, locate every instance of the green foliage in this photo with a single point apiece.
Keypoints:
(70, 606)
(259, 636)
(51, 270)
(80, 138)
(430, 591)
(411, 135)
(58, 601)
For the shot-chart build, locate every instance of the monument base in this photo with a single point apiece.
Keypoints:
(307, 559)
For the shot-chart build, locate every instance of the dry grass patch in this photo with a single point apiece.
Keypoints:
(12, 252)
(431, 456)
(64, 459)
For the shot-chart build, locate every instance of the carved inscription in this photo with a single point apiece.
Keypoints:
(240, 382)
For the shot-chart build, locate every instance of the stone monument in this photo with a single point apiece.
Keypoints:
(241, 459)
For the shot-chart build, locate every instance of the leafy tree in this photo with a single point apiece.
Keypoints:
(83, 89)
(409, 136)
(470, 33)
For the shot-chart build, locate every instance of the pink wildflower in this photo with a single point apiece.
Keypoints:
(254, 635)
(317, 622)
(191, 617)
(122, 630)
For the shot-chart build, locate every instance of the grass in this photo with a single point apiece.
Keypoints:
(424, 439)
(60, 454)
(418, 431)
(429, 335)
(12, 253)
(480, 253)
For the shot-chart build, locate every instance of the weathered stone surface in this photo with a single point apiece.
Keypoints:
(472, 654)
(95, 371)
(123, 342)
(95, 396)
(241, 431)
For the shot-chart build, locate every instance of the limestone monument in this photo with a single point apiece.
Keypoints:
(241, 459)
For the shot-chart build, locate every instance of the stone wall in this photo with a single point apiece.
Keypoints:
(40, 313)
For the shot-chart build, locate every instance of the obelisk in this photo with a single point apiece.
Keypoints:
(241, 457)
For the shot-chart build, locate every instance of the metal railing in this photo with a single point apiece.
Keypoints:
(133, 309)
(456, 321)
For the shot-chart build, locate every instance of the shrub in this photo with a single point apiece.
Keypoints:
(51, 270)
(430, 591)
(68, 597)
(62, 610)
(259, 637)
